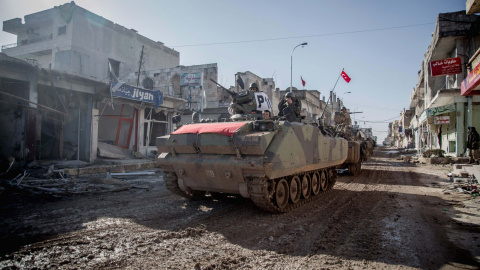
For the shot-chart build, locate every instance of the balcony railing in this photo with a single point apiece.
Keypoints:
(38, 39)
(8, 46)
(27, 41)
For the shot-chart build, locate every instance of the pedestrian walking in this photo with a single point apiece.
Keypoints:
(473, 141)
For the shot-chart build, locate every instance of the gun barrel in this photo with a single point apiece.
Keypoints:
(233, 94)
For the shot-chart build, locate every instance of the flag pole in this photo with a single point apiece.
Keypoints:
(331, 96)
(335, 86)
(337, 80)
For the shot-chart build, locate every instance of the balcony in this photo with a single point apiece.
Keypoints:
(8, 46)
(43, 46)
(35, 40)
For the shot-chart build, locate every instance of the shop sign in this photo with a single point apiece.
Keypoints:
(472, 82)
(441, 120)
(191, 79)
(446, 66)
(441, 110)
(122, 90)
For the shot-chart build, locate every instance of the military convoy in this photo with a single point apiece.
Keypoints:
(279, 165)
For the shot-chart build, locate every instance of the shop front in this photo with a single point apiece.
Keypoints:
(131, 118)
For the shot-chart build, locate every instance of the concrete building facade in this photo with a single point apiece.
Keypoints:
(440, 113)
(72, 39)
(74, 54)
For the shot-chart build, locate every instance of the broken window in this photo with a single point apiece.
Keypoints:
(116, 125)
(155, 125)
(113, 67)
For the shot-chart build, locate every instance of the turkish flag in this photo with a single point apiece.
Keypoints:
(345, 76)
(303, 82)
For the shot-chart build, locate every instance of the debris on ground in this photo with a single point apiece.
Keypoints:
(52, 181)
(463, 179)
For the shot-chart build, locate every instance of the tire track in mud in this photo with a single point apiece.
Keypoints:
(343, 212)
(359, 202)
(351, 216)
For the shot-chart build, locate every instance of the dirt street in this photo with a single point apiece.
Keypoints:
(393, 215)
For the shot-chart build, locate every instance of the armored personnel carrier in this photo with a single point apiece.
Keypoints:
(360, 148)
(279, 165)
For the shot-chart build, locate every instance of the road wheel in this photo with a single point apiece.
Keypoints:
(295, 189)
(306, 186)
(281, 194)
(323, 181)
(315, 183)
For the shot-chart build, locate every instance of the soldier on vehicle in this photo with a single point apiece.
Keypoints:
(290, 101)
(346, 115)
(266, 115)
(252, 102)
(253, 87)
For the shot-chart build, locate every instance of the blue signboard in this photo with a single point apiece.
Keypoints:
(129, 92)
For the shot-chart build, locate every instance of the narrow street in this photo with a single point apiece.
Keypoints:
(393, 215)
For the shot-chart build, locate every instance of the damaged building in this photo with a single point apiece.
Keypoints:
(76, 86)
(55, 86)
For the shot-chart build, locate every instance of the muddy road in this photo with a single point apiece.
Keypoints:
(392, 215)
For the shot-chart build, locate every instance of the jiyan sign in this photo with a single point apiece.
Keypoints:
(120, 89)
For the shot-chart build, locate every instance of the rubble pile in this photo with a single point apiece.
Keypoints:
(56, 182)
(463, 179)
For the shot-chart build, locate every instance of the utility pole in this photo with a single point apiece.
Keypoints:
(140, 65)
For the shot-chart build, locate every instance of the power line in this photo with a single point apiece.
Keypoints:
(295, 37)
(380, 121)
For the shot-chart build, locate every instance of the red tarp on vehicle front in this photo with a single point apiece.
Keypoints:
(224, 128)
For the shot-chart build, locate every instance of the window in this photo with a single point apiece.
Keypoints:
(452, 146)
(114, 67)
(62, 30)
(155, 125)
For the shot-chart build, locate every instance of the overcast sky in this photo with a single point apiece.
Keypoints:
(380, 44)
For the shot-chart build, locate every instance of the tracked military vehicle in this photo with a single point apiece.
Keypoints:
(279, 165)
(360, 148)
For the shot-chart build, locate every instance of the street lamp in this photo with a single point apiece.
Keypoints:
(291, 63)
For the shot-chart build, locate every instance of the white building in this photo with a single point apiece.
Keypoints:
(72, 39)
(75, 53)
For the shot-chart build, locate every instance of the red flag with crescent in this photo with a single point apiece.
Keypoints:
(303, 82)
(345, 76)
